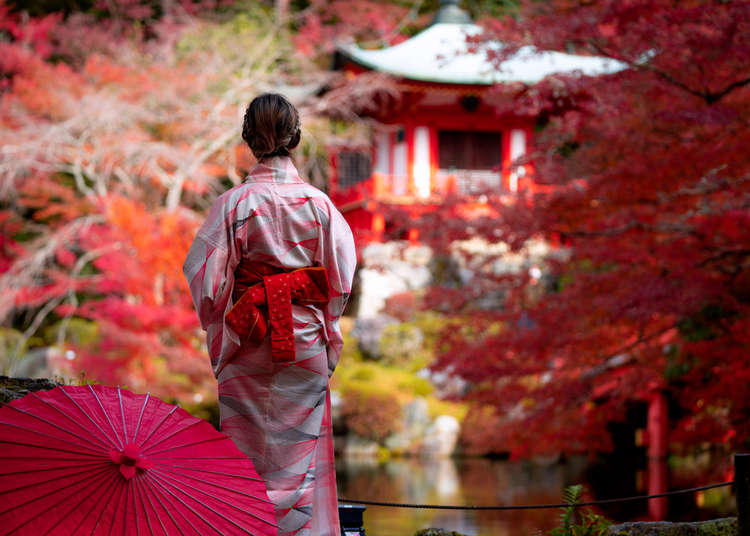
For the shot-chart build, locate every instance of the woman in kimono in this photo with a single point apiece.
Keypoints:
(270, 271)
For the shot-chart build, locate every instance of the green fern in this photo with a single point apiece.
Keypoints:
(576, 522)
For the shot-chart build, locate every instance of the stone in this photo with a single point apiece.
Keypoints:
(356, 447)
(441, 437)
(715, 527)
(399, 342)
(14, 388)
(390, 268)
(377, 285)
(368, 332)
(398, 443)
(437, 532)
(416, 416)
(446, 384)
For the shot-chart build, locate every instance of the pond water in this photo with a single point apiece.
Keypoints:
(480, 481)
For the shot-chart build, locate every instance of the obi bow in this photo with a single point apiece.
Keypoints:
(259, 284)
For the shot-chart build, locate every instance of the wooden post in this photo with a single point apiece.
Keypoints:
(742, 491)
(350, 516)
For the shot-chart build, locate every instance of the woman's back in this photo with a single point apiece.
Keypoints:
(274, 397)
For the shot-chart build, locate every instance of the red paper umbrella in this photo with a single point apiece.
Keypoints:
(99, 460)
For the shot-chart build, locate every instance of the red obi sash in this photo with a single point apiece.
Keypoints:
(257, 284)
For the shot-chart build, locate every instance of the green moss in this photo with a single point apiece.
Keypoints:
(370, 377)
(714, 527)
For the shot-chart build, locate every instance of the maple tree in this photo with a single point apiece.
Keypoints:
(119, 125)
(109, 159)
(643, 182)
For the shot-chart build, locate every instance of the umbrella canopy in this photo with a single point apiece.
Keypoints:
(98, 460)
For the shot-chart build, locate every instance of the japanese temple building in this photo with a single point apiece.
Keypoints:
(449, 130)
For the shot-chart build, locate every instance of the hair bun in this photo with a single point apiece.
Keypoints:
(271, 126)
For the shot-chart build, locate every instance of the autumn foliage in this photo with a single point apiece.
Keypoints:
(643, 185)
(117, 129)
(119, 124)
(110, 153)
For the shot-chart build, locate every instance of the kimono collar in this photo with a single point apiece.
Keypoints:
(278, 169)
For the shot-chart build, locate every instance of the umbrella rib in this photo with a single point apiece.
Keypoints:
(92, 421)
(57, 468)
(159, 482)
(116, 508)
(96, 454)
(101, 513)
(112, 484)
(167, 510)
(51, 479)
(158, 426)
(61, 412)
(46, 509)
(45, 434)
(244, 477)
(106, 415)
(214, 511)
(219, 499)
(128, 486)
(122, 414)
(140, 495)
(76, 506)
(164, 468)
(183, 445)
(37, 457)
(163, 439)
(46, 494)
(131, 493)
(243, 457)
(140, 417)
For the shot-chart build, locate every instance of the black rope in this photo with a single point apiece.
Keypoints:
(537, 506)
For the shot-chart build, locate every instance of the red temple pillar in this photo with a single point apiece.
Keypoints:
(658, 422)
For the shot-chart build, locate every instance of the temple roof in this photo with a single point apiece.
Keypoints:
(440, 53)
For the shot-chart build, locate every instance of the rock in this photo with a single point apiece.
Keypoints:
(440, 438)
(399, 342)
(356, 447)
(390, 268)
(368, 332)
(446, 384)
(416, 416)
(14, 388)
(715, 527)
(415, 420)
(398, 443)
(376, 286)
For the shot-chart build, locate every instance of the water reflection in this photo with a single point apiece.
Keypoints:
(465, 481)
(478, 481)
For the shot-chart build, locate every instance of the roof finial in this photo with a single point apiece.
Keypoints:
(451, 13)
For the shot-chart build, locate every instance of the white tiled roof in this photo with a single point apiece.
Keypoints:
(440, 54)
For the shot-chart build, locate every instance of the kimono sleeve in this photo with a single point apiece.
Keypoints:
(206, 272)
(340, 260)
(209, 269)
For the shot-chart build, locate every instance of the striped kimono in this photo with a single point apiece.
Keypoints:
(278, 413)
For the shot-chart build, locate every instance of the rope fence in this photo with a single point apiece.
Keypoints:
(536, 506)
(351, 514)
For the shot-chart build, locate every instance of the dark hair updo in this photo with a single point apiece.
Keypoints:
(271, 126)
